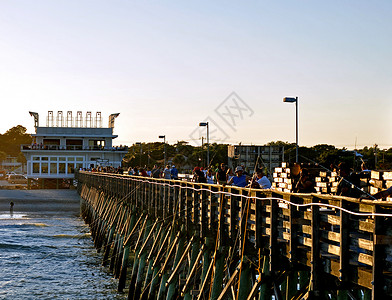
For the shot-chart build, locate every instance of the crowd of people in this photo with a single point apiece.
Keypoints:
(226, 176)
(222, 175)
(303, 181)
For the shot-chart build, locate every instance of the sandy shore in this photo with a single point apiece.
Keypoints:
(40, 201)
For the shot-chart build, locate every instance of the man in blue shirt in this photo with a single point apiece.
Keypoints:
(239, 179)
(174, 172)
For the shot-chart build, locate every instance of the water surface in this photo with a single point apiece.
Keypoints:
(50, 255)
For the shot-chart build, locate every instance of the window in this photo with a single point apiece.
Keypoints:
(74, 144)
(61, 158)
(44, 168)
(53, 168)
(53, 159)
(96, 144)
(36, 168)
(36, 158)
(71, 168)
(61, 168)
(51, 142)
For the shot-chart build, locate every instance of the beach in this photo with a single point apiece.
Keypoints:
(66, 202)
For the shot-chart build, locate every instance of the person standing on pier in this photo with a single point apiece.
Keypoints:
(239, 179)
(174, 172)
(305, 183)
(221, 176)
(210, 177)
(156, 172)
(347, 184)
(262, 180)
(198, 175)
(166, 172)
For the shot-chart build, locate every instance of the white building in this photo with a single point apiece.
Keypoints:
(69, 144)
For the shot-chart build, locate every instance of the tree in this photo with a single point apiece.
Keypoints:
(11, 141)
(3, 155)
(179, 160)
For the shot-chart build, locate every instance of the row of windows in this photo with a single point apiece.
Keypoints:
(55, 158)
(55, 168)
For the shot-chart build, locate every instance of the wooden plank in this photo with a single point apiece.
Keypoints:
(365, 244)
(305, 241)
(365, 259)
(366, 208)
(366, 226)
(330, 235)
(332, 249)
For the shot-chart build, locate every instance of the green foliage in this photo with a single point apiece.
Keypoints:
(329, 155)
(186, 156)
(3, 155)
(11, 140)
(183, 155)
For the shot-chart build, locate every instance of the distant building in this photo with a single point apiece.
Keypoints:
(268, 157)
(69, 144)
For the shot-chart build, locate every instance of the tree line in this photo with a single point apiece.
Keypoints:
(186, 156)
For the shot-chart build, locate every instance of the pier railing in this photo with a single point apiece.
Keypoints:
(222, 242)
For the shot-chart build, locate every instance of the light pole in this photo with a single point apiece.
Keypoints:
(164, 149)
(294, 100)
(208, 142)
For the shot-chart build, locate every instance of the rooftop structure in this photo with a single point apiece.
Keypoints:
(70, 143)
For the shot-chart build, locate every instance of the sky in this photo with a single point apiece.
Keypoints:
(166, 66)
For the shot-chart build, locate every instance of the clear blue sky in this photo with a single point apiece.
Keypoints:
(165, 66)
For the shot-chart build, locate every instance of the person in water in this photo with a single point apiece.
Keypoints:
(11, 208)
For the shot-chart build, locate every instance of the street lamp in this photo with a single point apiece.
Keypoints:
(294, 100)
(164, 149)
(208, 142)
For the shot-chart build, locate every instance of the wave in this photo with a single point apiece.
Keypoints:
(13, 216)
(36, 224)
(19, 246)
(71, 236)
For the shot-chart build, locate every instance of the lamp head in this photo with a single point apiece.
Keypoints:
(161, 136)
(290, 99)
(203, 124)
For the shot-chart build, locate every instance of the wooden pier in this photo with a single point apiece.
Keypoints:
(166, 239)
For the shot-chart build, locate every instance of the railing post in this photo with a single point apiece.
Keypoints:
(378, 256)
(315, 251)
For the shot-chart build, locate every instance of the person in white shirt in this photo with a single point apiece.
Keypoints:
(210, 177)
(262, 180)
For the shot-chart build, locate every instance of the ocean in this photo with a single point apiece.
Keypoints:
(46, 251)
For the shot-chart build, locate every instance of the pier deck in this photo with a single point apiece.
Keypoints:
(176, 239)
